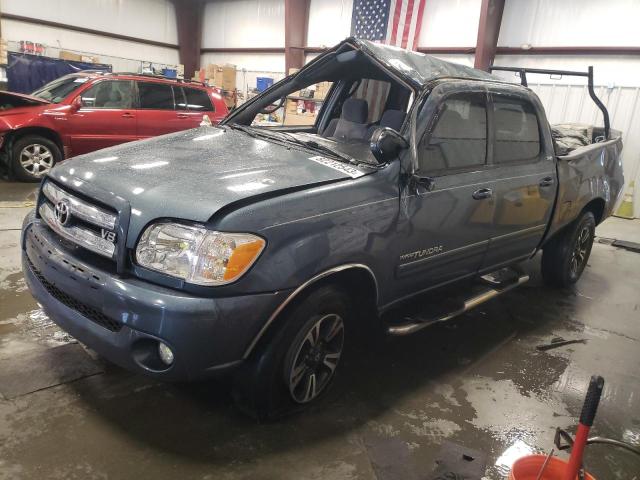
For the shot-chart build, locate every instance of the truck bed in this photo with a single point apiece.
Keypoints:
(586, 173)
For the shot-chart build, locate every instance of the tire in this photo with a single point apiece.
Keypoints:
(295, 367)
(565, 257)
(32, 157)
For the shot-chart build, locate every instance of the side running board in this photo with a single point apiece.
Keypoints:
(491, 289)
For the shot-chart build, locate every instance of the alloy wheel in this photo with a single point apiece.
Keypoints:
(36, 159)
(316, 358)
(580, 249)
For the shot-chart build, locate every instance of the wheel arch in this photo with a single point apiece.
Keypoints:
(48, 133)
(356, 278)
(595, 206)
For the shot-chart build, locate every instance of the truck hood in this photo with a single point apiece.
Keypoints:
(192, 174)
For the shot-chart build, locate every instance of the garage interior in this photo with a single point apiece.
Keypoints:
(497, 381)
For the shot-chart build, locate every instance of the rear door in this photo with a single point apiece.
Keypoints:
(197, 104)
(105, 117)
(450, 225)
(156, 111)
(525, 182)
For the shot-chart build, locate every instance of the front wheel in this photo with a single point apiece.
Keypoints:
(32, 157)
(295, 366)
(565, 257)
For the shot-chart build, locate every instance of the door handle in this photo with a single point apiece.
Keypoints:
(482, 193)
(128, 115)
(546, 182)
(183, 115)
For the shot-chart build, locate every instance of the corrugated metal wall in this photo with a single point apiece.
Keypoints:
(150, 19)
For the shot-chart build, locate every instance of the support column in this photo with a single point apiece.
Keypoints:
(488, 32)
(296, 21)
(189, 15)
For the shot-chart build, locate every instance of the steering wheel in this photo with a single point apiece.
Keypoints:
(273, 107)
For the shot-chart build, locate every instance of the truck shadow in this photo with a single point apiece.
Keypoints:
(200, 422)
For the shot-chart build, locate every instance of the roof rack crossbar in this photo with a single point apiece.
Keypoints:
(522, 72)
(164, 77)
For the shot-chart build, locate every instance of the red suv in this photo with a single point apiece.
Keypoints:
(83, 112)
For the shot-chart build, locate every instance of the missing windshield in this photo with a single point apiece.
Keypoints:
(333, 106)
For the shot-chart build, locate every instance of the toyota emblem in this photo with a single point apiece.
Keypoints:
(62, 212)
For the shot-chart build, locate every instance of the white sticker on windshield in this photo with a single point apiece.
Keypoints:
(350, 170)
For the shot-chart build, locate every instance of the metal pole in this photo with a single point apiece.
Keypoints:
(598, 102)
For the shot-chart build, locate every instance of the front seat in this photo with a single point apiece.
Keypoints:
(352, 124)
(115, 99)
(391, 119)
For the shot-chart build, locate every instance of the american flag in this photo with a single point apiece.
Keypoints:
(393, 22)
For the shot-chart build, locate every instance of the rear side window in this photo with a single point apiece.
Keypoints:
(156, 96)
(198, 100)
(516, 129)
(108, 94)
(459, 138)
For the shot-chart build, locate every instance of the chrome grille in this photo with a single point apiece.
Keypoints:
(84, 224)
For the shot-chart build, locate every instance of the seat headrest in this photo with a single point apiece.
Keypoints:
(355, 110)
(392, 119)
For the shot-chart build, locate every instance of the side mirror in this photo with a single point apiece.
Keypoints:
(76, 104)
(386, 143)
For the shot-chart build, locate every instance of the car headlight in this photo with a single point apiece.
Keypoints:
(197, 255)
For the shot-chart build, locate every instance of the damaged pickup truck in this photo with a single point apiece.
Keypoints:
(264, 251)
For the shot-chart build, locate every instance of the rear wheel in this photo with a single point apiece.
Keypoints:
(565, 257)
(33, 156)
(295, 366)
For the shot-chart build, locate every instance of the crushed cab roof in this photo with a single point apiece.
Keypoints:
(416, 67)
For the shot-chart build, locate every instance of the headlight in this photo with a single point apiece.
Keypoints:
(196, 254)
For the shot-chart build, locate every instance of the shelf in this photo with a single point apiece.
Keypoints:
(316, 100)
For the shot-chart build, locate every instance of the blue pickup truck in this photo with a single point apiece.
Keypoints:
(263, 251)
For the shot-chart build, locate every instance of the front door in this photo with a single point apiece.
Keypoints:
(448, 227)
(105, 117)
(525, 182)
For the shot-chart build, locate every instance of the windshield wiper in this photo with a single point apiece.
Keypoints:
(289, 138)
(312, 144)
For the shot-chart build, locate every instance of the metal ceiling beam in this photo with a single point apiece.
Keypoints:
(75, 28)
(296, 20)
(488, 32)
(189, 15)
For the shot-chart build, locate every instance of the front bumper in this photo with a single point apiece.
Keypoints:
(123, 318)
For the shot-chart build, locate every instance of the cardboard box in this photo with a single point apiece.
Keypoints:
(88, 59)
(229, 77)
(223, 76)
(66, 55)
(291, 106)
(299, 119)
(210, 71)
(322, 89)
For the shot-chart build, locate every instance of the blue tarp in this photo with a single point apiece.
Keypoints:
(26, 73)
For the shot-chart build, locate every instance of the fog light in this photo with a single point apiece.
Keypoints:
(166, 355)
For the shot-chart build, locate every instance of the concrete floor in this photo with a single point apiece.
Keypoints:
(478, 381)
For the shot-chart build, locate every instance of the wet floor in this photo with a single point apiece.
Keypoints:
(478, 381)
